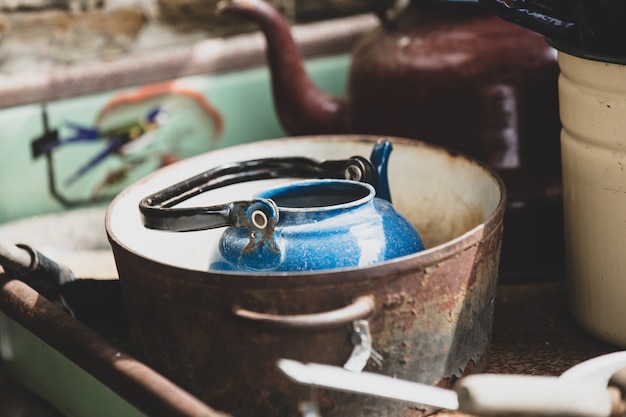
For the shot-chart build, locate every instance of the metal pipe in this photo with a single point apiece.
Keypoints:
(36, 269)
(14, 258)
(132, 380)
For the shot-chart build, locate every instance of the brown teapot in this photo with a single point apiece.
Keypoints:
(454, 74)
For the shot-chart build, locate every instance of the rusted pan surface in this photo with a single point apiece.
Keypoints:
(431, 313)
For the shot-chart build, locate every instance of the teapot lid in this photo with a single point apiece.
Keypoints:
(585, 28)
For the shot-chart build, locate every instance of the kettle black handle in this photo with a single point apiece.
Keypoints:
(158, 212)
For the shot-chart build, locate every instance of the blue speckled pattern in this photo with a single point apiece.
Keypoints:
(323, 224)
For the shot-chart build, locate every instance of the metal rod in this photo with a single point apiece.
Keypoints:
(36, 269)
(13, 257)
(368, 383)
(132, 380)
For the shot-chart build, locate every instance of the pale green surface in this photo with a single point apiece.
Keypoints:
(244, 99)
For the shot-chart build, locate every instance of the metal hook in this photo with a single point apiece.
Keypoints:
(362, 340)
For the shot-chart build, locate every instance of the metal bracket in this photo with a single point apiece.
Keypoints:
(362, 340)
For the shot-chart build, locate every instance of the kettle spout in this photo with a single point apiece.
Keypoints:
(301, 106)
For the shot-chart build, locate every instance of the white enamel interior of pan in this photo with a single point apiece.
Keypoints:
(444, 196)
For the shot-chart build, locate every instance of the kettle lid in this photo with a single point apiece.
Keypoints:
(585, 28)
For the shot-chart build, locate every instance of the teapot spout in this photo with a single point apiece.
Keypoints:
(301, 106)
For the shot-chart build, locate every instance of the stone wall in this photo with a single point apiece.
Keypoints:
(36, 35)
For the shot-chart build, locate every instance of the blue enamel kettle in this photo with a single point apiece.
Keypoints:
(339, 216)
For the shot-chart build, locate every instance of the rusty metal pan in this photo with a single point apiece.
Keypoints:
(219, 334)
